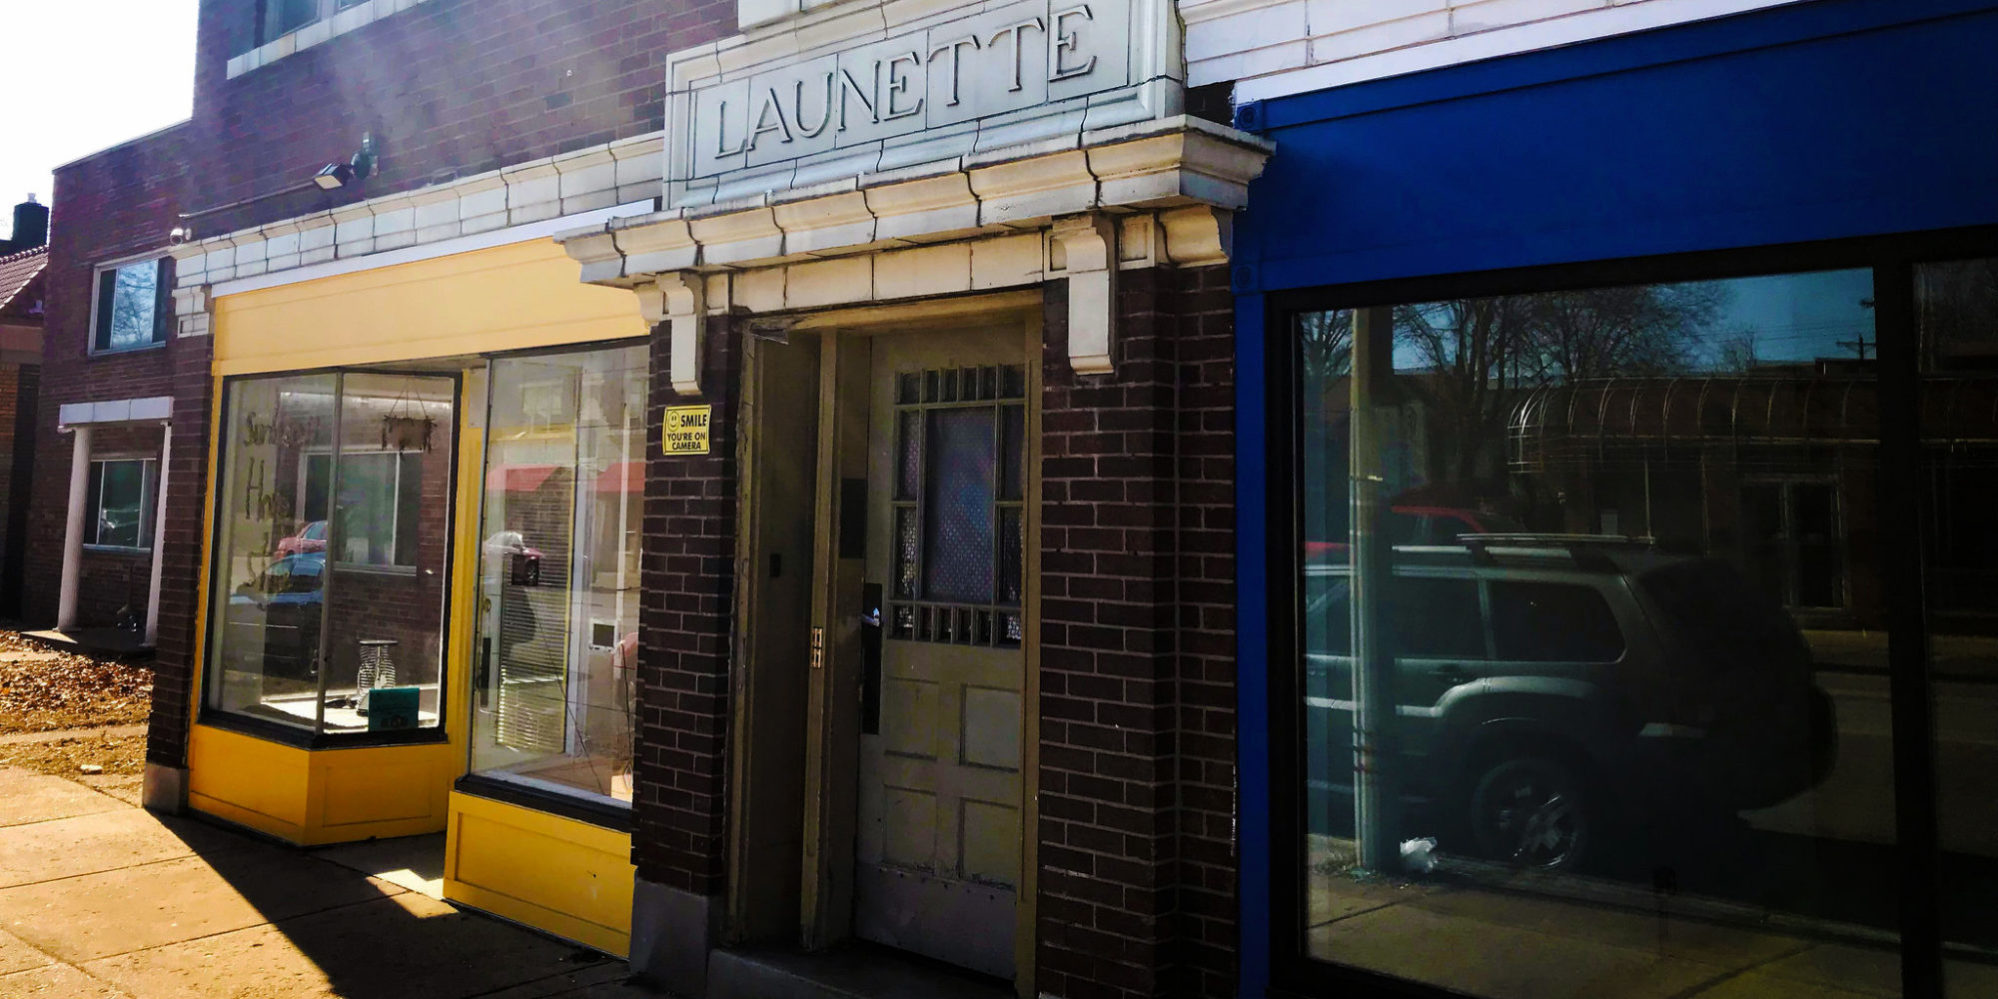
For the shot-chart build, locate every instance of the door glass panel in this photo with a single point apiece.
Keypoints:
(1674, 768)
(1957, 309)
(554, 684)
(960, 478)
(957, 508)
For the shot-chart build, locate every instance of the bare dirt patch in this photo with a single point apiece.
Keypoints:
(45, 690)
(68, 755)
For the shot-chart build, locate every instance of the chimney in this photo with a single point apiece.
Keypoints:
(31, 225)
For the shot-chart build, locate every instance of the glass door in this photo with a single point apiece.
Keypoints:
(553, 695)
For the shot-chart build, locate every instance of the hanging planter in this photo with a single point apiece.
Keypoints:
(407, 433)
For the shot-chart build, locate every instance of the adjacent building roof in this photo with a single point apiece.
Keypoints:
(18, 271)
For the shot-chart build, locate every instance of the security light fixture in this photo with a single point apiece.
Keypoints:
(333, 176)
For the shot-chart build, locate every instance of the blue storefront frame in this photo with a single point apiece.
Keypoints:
(1797, 126)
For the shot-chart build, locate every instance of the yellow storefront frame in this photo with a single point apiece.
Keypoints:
(560, 875)
(519, 296)
(314, 797)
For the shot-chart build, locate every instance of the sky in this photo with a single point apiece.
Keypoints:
(81, 75)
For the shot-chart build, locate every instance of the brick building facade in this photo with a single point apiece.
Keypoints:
(23, 309)
(506, 142)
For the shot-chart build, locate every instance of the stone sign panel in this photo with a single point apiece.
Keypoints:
(894, 95)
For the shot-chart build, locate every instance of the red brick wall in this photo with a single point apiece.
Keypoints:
(688, 579)
(113, 205)
(12, 389)
(448, 88)
(183, 535)
(1137, 866)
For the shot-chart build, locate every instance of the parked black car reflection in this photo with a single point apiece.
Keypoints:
(274, 622)
(1552, 691)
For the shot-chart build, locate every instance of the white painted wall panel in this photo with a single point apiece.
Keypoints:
(1270, 48)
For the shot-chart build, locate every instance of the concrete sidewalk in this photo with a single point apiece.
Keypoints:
(99, 898)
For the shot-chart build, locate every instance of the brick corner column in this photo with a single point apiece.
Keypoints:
(1137, 862)
(183, 532)
(679, 838)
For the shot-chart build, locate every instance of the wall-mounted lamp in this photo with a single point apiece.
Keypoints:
(333, 176)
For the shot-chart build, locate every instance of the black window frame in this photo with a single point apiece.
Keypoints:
(1902, 514)
(103, 295)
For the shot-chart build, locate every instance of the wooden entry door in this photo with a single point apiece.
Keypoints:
(937, 866)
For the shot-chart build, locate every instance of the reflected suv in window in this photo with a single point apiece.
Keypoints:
(1553, 693)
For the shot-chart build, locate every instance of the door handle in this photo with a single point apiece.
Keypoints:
(870, 659)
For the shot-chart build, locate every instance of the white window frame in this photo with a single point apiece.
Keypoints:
(331, 19)
(158, 260)
(323, 10)
(149, 484)
(395, 527)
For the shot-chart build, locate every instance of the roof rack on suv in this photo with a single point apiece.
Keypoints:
(1585, 549)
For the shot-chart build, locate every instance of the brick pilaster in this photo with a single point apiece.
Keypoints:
(688, 548)
(177, 655)
(1137, 731)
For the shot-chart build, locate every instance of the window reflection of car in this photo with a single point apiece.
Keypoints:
(1427, 525)
(275, 619)
(1553, 694)
(310, 538)
(510, 551)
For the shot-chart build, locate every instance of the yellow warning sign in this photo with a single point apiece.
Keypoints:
(686, 430)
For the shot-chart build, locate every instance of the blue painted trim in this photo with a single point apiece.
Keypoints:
(1766, 28)
(1252, 691)
(1816, 121)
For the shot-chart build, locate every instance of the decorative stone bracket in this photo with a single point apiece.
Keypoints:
(1157, 194)
(677, 300)
(1086, 247)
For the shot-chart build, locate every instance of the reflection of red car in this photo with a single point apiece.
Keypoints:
(310, 538)
(1427, 525)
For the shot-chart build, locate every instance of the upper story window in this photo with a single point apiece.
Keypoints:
(131, 309)
(282, 17)
(279, 28)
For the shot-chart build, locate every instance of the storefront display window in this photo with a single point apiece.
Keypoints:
(1956, 308)
(554, 686)
(1593, 640)
(352, 469)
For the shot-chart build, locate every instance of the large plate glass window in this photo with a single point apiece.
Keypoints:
(554, 687)
(333, 540)
(1593, 650)
(1956, 307)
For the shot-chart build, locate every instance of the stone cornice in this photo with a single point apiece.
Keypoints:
(1154, 165)
(575, 183)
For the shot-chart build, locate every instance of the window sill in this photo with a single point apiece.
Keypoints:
(593, 809)
(119, 549)
(97, 352)
(352, 19)
(282, 733)
(366, 569)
